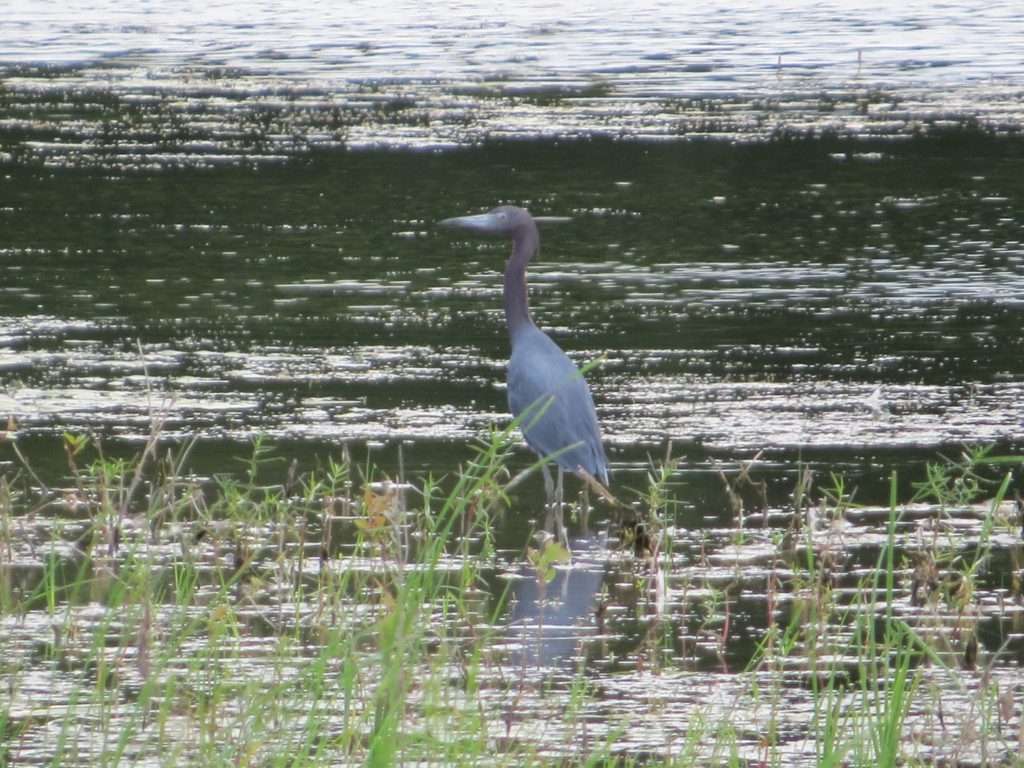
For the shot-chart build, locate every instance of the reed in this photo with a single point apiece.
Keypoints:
(337, 616)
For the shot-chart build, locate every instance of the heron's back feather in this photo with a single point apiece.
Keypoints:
(549, 392)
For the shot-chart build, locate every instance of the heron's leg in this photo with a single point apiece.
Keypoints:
(563, 537)
(585, 510)
(549, 498)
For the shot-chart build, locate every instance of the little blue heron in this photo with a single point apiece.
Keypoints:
(545, 389)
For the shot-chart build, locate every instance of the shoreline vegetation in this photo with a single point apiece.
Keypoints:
(341, 617)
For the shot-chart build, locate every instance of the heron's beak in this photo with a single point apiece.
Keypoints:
(484, 222)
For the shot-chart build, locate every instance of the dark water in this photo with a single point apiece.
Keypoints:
(818, 296)
(780, 239)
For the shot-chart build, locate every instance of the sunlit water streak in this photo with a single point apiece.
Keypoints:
(68, 376)
(238, 82)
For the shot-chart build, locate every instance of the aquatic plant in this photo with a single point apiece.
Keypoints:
(280, 616)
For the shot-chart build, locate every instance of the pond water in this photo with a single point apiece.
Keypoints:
(793, 235)
(816, 296)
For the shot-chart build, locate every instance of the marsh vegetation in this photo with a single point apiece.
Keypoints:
(338, 615)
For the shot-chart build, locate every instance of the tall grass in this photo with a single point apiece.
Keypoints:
(337, 617)
(868, 664)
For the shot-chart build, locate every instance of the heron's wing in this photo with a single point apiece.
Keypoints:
(548, 392)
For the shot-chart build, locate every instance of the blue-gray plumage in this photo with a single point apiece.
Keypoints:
(545, 388)
(539, 371)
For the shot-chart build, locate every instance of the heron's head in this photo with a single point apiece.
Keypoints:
(507, 220)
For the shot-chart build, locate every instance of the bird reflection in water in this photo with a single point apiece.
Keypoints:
(550, 621)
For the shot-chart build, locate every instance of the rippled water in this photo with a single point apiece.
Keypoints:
(138, 84)
(791, 233)
(789, 297)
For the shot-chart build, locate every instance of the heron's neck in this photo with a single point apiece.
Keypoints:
(517, 308)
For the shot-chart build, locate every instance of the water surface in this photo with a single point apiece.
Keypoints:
(799, 295)
(140, 85)
(790, 234)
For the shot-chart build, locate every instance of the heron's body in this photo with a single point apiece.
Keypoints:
(567, 428)
(546, 390)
